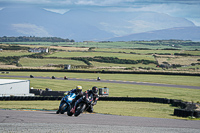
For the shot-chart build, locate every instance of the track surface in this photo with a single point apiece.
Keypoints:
(49, 121)
(112, 81)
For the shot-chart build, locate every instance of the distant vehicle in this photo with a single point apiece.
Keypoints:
(53, 77)
(31, 76)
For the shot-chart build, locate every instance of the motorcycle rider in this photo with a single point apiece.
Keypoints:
(94, 93)
(78, 92)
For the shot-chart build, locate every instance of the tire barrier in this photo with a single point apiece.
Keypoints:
(138, 99)
(186, 109)
(29, 98)
(186, 113)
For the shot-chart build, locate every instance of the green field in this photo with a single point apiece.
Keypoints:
(159, 44)
(6, 53)
(186, 64)
(103, 54)
(30, 62)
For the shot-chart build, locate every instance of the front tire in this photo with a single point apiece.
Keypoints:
(58, 111)
(69, 113)
(63, 109)
(79, 109)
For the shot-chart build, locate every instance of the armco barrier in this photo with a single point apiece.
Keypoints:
(41, 92)
(187, 109)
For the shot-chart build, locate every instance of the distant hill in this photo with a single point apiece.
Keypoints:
(84, 25)
(180, 33)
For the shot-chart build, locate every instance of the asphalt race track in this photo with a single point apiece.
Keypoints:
(49, 121)
(112, 81)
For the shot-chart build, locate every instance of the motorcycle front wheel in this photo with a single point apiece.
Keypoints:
(69, 113)
(63, 108)
(79, 109)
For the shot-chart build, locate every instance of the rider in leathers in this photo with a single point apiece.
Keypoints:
(93, 92)
(78, 92)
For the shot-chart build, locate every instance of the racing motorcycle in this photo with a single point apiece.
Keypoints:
(65, 103)
(83, 104)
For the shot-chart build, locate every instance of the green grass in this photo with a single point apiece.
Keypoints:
(163, 79)
(120, 90)
(192, 52)
(30, 62)
(130, 45)
(104, 65)
(139, 51)
(142, 109)
(104, 54)
(6, 53)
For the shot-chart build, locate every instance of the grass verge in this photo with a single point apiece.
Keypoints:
(142, 109)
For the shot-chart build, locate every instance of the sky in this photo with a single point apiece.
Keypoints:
(188, 9)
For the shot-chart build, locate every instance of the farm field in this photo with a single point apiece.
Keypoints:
(175, 63)
(6, 53)
(167, 55)
(104, 54)
(156, 44)
(30, 62)
(186, 60)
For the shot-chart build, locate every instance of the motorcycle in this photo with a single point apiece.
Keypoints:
(65, 103)
(65, 78)
(98, 78)
(83, 104)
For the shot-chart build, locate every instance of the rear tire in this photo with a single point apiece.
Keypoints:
(58, 111)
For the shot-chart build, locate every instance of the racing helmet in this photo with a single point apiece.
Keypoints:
(78, 89)
(94, 89)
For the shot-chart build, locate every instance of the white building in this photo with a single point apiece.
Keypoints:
(13, 87)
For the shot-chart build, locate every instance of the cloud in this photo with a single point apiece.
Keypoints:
(60, 11)
(30, 29)
(188, 9)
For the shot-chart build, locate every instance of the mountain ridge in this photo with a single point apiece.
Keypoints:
(180, 33)
(82, 25)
